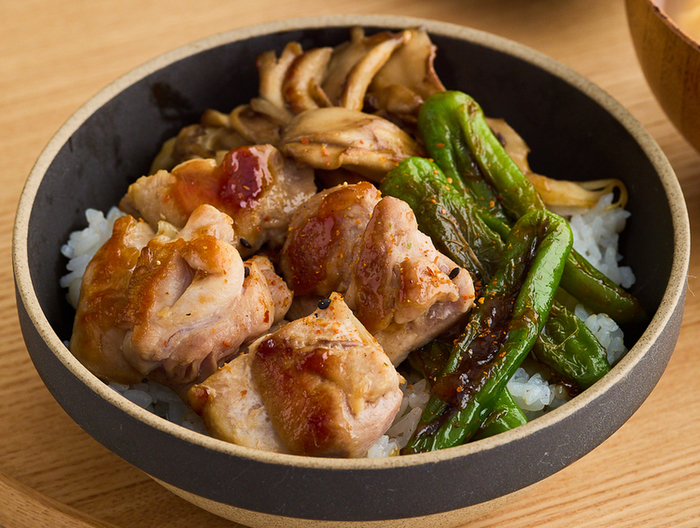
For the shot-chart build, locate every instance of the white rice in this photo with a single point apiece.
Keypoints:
(82, 246)
(607, 331)
(596, 234)
(162, 401)
(416, 396)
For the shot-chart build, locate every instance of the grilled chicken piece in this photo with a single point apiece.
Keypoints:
(97, 338)
(256, 186)
(323, 239)
(192, 304)
(403, 289)
(330, 138)
(326, 383)
(231, 408)
(400, 287)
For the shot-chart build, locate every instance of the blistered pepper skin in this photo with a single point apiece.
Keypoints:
(454, 221)
(451, 218)
(500, 334)
(465, 123)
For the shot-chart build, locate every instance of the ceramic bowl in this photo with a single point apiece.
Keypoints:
(670, 60)
(574, 129)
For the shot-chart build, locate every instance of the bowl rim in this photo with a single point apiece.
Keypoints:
(673, 293)
(660, 8)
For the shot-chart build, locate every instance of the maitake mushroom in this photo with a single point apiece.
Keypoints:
(376, 82)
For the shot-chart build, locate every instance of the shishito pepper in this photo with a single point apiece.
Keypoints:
(567, 347)
(430, 360)
(500, 333)
(441, 131)
(452, 219)
(506, 415)
(454, 222)
(516, 194)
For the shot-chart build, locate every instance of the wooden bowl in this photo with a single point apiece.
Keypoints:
(670, 60)
(575, 131)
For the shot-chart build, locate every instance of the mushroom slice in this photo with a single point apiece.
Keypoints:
(363, 72)
(411, 66)
(564, 196)
(272, 73)
(346, 56)
(330, 138)
(302, 86)
(257, 127)
(407, 79)
(211, 138)
(398, 103)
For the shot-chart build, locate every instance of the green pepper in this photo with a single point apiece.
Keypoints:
(570, 349)
(506, 415)
(500, 333)
(518, 196)
(453, 221)
(442, 134)
(430, 360)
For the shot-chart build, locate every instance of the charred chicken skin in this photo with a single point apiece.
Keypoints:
(350, 240)
(175, 308)
(256, 186)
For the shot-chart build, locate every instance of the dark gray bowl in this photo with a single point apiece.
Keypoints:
(575, 131)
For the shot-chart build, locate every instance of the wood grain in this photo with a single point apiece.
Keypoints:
(22, 506)
(57, 53)
(671, 64)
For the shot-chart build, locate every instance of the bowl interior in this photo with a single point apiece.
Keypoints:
(575, 132)
(683, 17)
(570, 136)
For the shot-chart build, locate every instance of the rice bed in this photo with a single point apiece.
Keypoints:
(596, 235)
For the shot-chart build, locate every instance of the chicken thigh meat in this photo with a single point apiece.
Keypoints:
(255, 185)
(328, 386)
(350, 240)
(176, 305)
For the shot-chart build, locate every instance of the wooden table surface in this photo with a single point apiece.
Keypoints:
(55, 54)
